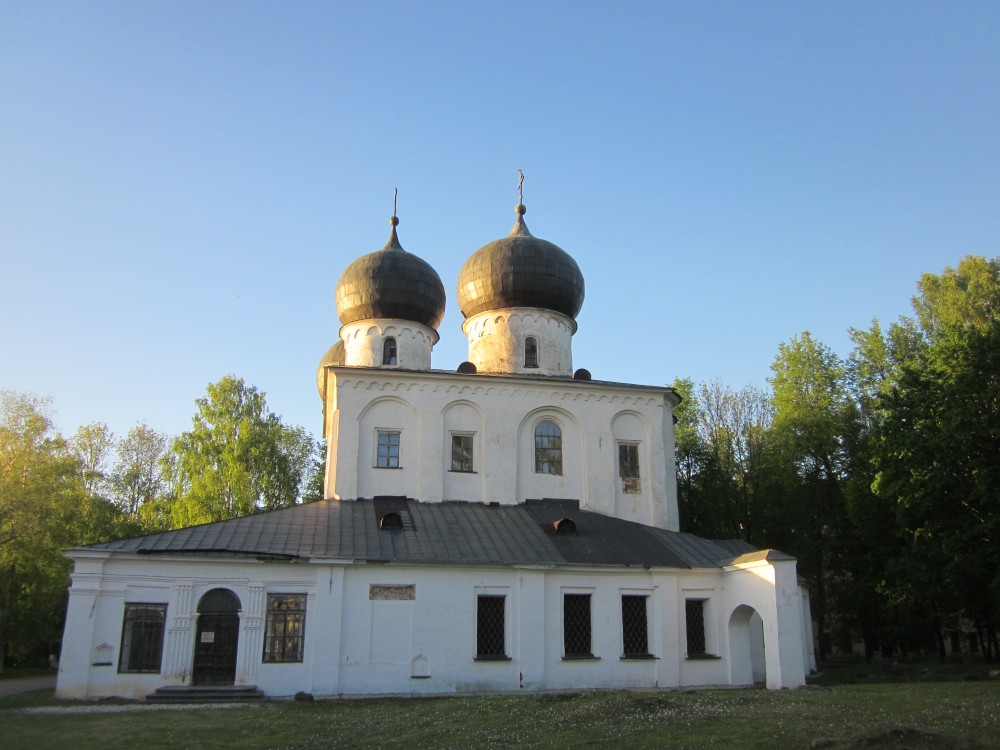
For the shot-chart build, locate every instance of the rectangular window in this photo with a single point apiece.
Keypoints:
(694, 609)
(387, 453)
(142, 638)
(490, 635)
(635, 633)
(461, 453)
(628, 466)
(576, 625)
(284, 629)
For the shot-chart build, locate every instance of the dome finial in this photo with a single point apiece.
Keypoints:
(520, 228)
(393, 243)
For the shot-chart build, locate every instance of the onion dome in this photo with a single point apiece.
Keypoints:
(391, 283)
(520, 270)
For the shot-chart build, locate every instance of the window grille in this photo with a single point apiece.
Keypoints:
(284, 631)
(695, 615)
(531, 352)
(142, 638)
(628, 466)
(490, 642)
(388, 450)
(635, 634)
(389, 352)
(461, 453)
(576, 625)
(548, 448)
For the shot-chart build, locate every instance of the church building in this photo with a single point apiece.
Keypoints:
(508, 526)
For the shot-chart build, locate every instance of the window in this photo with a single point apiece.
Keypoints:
(628, 466)
(142, 638)
(389, 352)
(461, 453)
(387, 454)
(548, 448)
(284, 630)
(635, 633)
(531, 352)
(490, 636)
(695, 615)
(576, 625)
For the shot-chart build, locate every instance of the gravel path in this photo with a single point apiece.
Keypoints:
(128, 708)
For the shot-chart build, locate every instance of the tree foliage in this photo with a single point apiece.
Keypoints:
(237, 459)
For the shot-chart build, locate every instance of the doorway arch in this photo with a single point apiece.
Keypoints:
(746, 647)
(216, 638)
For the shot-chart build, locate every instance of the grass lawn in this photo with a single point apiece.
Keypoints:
(956, 714)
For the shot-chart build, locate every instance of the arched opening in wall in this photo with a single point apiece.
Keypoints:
(389, 352)
(216, 638)
(531, 352)
(746, 647)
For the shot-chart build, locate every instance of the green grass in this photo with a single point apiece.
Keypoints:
(915, 715)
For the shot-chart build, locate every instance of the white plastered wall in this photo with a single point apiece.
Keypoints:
(497, 339)
(501, 414)
(357, 644)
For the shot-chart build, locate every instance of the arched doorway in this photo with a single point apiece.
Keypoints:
(746, 647)
(216, 639)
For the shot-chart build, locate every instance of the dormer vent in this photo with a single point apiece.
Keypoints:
(564, 526)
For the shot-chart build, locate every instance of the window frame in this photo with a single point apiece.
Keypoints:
(702, 619)
(531, 352)
(491, 596)
(555, 462)
(626, 626)
(390, 352)
(578, 595)
(629, 471)
(129, 662)
(471, 436)
(389, 457)
(292, 645)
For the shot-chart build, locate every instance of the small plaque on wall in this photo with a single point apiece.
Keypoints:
(400, 592)
(208, 637)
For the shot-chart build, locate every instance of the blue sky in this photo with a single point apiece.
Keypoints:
(182, 183)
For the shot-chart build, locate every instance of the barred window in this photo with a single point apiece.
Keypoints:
(635, 632)
(695, 616)
(387, 456)
(490, 635)
(284, 630)
(142, 638)
(548, 448)
(389, 352)
(576, 625)
(461, 453)
(531, 352)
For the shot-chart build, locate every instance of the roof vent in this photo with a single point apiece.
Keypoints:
(564, 526)
(582, 374)
(390, 521)
(467, 368)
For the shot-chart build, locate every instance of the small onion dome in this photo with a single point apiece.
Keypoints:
(334, 356)
(520, 270)
(390, 283)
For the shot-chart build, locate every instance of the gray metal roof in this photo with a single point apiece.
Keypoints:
(457, 533)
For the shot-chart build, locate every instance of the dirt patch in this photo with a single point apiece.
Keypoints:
(893, 739)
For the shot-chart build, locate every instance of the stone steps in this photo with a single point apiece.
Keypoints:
(206, 694)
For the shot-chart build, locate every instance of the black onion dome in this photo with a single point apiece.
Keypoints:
(520, 270)
(390, 283)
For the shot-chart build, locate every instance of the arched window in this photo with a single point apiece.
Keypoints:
(389, 352)
(531, 352)
(548, 448)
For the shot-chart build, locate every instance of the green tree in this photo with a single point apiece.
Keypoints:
(939, 447)
(94, 445)
(43, 509)
(237, 459)
(137, 478)
(811, 419)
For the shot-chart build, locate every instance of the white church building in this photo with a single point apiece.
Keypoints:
(508, 526)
